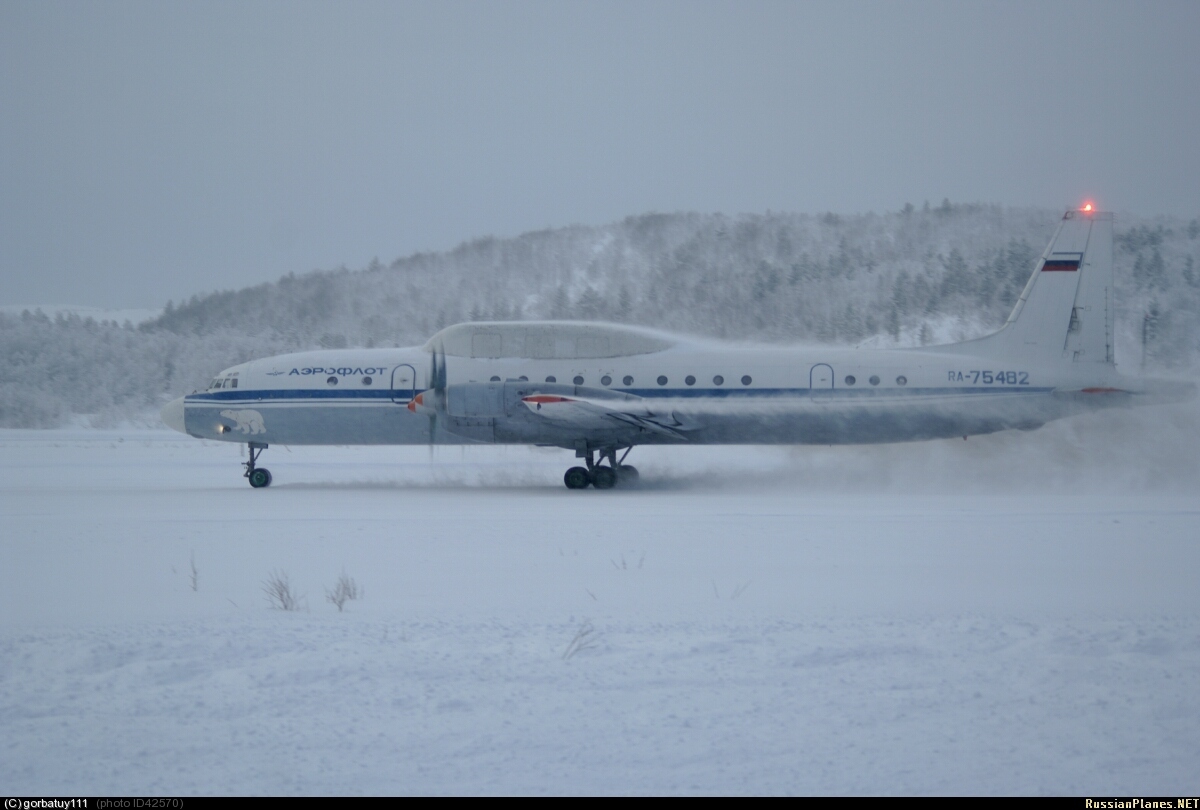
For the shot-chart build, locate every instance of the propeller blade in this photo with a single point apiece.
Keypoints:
(437, 384)
(438, 377)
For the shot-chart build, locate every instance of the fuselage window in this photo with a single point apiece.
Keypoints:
(606, 380)
(523, 378)
(690, 380)
(332, 381)
(628, 380)
(662, 380)
(234, 383)
(873, 380)
(552, 378)
(718, 380)
(746, 380)
(850, 379)
(495, 378)
(902, 380)
(367, 381)
(578, 379)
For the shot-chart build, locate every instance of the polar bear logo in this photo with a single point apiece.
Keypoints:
(247, 421)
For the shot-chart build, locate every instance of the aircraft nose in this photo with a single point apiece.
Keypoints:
(172, 415)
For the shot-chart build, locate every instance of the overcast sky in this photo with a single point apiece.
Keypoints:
(152, 150)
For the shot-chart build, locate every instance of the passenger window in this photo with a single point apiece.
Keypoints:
(628, 380)
(367, 380)
(551, 379)
(902, 380)
(746, 380)
(578, 379)
(662, 380)
(690, 380)
(850, 379)
(718, 380)
(332, 381)
(523, 378)
(606, 380)
(874, 380)
(495, 378)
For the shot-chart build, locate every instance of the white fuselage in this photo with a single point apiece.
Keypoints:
(718, 394)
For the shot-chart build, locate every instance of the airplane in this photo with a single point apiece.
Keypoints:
(601, 389)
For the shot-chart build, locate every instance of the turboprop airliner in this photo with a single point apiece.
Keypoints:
(602, 389)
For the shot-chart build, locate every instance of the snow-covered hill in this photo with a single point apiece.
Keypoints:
(135, 317)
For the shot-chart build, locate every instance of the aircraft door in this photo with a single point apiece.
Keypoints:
(404, 384)
(820, 378)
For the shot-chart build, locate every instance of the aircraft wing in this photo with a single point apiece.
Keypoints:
(584, 414)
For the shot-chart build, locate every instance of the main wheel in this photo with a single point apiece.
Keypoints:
(577, 478)
(260, 477)
(627, 473)
(604, 478)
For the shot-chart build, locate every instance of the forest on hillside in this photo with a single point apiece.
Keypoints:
(912, 277)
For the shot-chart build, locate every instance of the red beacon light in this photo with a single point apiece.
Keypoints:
(1087, 208)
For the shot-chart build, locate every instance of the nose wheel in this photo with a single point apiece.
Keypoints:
(598, 475)
(258, 477)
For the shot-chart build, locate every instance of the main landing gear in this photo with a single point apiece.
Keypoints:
(599, 475)
(258, 477)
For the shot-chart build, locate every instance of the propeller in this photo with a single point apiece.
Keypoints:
(432, 400)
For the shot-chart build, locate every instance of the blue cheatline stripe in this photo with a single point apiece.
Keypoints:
(246, 395)
(249, 397)
(720, 393)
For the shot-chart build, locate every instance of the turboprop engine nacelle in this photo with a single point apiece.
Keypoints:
(497, 411)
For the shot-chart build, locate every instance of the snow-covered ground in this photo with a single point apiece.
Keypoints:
(1016, 614)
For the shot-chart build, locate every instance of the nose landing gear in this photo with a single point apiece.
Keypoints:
(258, 477)
(601, 476)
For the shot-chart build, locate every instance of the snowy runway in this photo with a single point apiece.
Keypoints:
(1015, 614)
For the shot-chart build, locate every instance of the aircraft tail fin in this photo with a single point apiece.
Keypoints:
(1065, 312)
